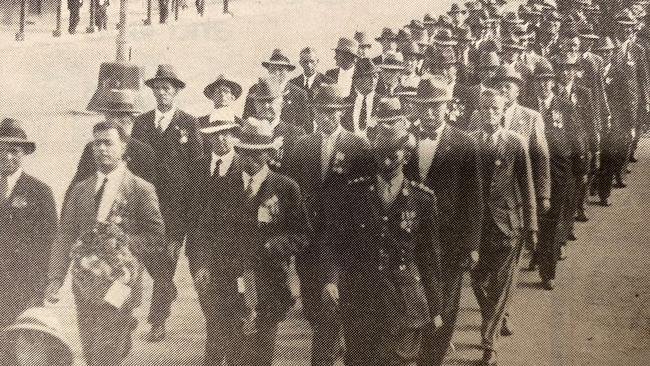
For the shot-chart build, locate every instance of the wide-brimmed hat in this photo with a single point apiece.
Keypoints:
(488, 60)
(118, 101)
(166, 72)
(429, 19)
(432, 90)
(267, 88)
(221, 120)
(604, 44)
(362, 38)
(625, 17)
(330, 96)
(404, 35)
(455, 9)
(279, 59)
(392, 61)
(257, 134)
(415, 24)
(444, 56)
(506, 73)
(347, 45)
(444, 37)
(389, 110)
(464, 34)
(444, 21)
(543, 70)
(236, 89)
(586, 30)
(42, 320)
(473, 6)
(386, 34)
(11, 132)
(364, 67)
(412, 48)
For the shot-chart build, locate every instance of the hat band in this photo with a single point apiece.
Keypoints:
(253, 140)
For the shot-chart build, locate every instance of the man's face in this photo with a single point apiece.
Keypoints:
(457, 17)
(544, 87)
(509, 90)
(448, 71)
(344, 60)
(390, 77)
(220, 142)
(268, 109)
(491, 108)
(278, 73)
(253, 160)
(388, 45)
(11, 158)
(108, 149)
(365, 84)
(364, 51)
(571, 46)
(164, 92)
(327, 119)
(565, 74)
(431, 115)
(31, 349)
(123, 119)
(308, 61)
(222, 96)
(389, 155)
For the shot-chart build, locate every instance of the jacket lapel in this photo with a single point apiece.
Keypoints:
(443, 149)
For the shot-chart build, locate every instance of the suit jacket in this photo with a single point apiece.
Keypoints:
(28, 225)
(295, 109)
(142, 223)
(290, 133)
(347, 120)
(629, 83)
(508, 189)
(558, 121)
(593, 68)
(319, 79)
(175, 149)
(385, 260)
(455, 178)
(585, 126)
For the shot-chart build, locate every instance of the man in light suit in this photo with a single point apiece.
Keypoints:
(322, 164)
(174, 136)
(510, 207)
(105, 330)
(346, 57)
(446, 161)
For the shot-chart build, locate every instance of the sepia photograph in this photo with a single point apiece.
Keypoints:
(324, 182)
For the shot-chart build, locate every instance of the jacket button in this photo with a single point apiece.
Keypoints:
(383, 235)
(363, 226)
(385, 218)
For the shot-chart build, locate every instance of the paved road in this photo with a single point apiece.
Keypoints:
(598, 315)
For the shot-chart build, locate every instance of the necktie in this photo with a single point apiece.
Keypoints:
(363, 115)
(306, 83)
(388, 194)
(159, 124)
(4, 188)
(215, 171)
(430, 134)
(249, 188)
(99, 194)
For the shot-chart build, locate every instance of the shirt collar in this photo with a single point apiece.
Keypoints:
(334, 135)
(226, 161)
(168, 115)
(346, 72)
(111, 175)
(396, 181)
(12, 179)
(310, 79)
(258, 178)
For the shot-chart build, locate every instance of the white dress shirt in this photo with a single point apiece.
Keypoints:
(110, 190)
(12, 180)
(427, 150)
(327, 149)
(545, 104)
(389, 190)
(356, 115)
(257, 180)
(226, 161)
(163, 119)
(345, 80)
(309, 80)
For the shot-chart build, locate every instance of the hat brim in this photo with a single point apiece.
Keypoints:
(289, 67)
(626, 22)
(416, 99)
(177, 83)
(379, 39)
(215, 129)
(345, 51)
(589, 36)
(104, 109)
(208, 91)
(331, 105)
(30, 146)
(12, 329)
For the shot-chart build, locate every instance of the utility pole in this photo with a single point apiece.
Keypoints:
(91, 12)
(57, 31)
(20, 36)
(123, 52)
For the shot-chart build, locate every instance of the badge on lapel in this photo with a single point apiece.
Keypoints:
(408, 220)
(337, 164)
(557, 119)
(19, 202)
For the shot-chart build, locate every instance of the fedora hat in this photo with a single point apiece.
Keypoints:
(364, 67)
(236, 89)
(431, 90)
(386, 34)
(473, 6)
(412, 48)
(464, 34)
(257, 134)
(118, 75)
(443, 57)
(586, 30)
(42, 320)
(362, 38)
(11, 132)
(330, 96)
(429, 19)
(506, 73)
(444, 37)
(444, 21)
(347, 45)
(604, 44)
(404, 35)
(543, 70)
(488, 60)
(415, 24)
(279, 59)
(222, 121)
(389, 110)
(625, 17)
(267, 89)
(118, 101)
(166, 72)
(456, 9)
(392, 61)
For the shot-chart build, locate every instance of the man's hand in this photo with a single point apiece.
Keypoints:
(202, 279)
(52, 291)
(331, 295)
(545, 206)
(437, 321)
(174, 249)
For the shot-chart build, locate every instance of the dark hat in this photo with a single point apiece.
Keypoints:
(455, 8)
(443, 57)
(257, 134)
(444, 21)
(475, 20)
(512, 17)
(387, 34)
(11, 132)
(543, 70)
(421, 37)
(432, 90)
(429, 19)
(552, 15)
(562, 60)
(604, 44)
(118, 75)
(625, 17)
(488, 60)
(464, 34)
(473, 6)
(506, 73)
(404, 35)
(222, 123)
(389, 110)
(208, 91)
(330, 96)
(362, 38)
(166, 72)
(267, 89)
(444, 37)
(549, 4)
(586, 30)
(415, 24)
(279, 59)
(364, 67)
(569, 29)
(118, 101)
(392, 61)
(347, 45)
(412, 48)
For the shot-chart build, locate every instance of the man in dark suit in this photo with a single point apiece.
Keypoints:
(364, 99)
(223, 93)
(73, 8)
(486, 67)
(381, 259)
(28, 224)
(127, 208)
(174, 137)
(446, 161)
(294, 108)
(388, 42)
(322, 164)
(310, 80)
(345, 55)
(510, 214)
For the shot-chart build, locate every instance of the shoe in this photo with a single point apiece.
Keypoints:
(489, 358)
(506, 331)
(604, 202)
(582, 217)
(572, 237)
(156, 334)
(548, 284)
